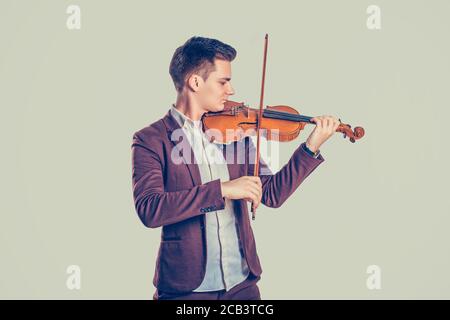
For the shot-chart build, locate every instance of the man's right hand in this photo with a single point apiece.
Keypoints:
(248, 188)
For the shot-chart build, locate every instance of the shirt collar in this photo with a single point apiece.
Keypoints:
(188, 123)
(183, 120)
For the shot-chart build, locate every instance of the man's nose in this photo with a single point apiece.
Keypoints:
(230, 90)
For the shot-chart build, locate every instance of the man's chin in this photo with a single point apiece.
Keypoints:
(218, 108)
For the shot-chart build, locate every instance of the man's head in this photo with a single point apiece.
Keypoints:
(202, 68)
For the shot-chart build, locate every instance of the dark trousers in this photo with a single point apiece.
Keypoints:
(246, 290)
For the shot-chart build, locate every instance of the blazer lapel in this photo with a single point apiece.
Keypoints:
(229, 154)
(234, 166)
(171, 125)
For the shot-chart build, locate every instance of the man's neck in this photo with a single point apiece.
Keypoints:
(189, 107)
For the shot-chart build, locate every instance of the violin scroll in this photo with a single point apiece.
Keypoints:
(346, 129)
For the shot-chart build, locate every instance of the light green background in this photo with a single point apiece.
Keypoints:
(71, 100)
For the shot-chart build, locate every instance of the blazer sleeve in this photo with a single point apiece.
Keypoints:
(153, 204)
(276, 188)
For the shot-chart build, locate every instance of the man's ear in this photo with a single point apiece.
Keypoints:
(194, 82)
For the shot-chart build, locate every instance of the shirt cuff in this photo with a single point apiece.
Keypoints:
(310, 152)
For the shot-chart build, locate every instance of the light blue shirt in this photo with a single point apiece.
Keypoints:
(225, 266)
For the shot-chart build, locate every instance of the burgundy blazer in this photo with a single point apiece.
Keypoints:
(172, 196)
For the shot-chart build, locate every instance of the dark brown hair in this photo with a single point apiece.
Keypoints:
(197, 55)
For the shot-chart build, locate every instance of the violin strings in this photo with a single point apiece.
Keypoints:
(282, 117)
(285, 116)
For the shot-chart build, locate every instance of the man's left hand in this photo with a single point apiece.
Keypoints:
(325, 127)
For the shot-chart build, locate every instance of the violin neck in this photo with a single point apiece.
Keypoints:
(273, 114)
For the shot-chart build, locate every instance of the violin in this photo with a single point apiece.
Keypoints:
(282, 123)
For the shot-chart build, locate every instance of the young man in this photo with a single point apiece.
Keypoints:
(207, 248)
